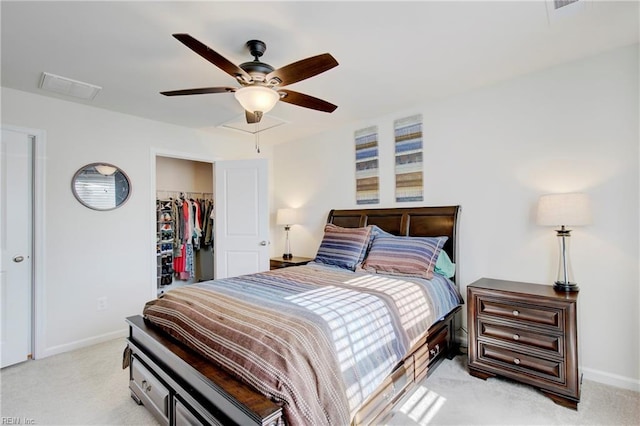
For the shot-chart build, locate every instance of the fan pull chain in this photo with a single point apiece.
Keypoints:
(257, 133)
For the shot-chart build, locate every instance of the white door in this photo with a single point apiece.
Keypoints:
(241, 218)
(16, 241)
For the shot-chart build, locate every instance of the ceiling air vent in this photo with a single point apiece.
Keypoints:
(66, 86)
(240, 123)
(561, 9)
(557, 4)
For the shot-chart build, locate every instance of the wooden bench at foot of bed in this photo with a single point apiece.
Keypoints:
(174, 383)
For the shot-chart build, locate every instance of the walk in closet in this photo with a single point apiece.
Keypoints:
(185, 222)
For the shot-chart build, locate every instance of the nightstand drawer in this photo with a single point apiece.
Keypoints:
(519, 363)
(534, 315)
(550, 344)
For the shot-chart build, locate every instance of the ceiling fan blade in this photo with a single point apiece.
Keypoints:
(306, 101)
(253, 117)
(212, 56)
(201, 91)
(302, 69)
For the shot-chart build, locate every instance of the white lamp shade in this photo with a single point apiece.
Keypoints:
(105, 169)
(257, 98)
(564, 209)
(286, 216)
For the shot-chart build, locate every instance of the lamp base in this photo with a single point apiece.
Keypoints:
(566, 287)
(287, 256)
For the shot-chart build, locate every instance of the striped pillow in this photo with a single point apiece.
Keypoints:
(343, 247)
(408, 256)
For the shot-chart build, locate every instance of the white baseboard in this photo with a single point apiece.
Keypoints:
(461, 338)
(78, 344)
(611, 379)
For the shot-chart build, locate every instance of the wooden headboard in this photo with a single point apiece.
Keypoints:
(413, 222)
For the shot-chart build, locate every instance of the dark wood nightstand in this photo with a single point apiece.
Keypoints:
(279, 262)
(526, 332)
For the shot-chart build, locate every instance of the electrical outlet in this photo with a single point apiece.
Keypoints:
(102, 303)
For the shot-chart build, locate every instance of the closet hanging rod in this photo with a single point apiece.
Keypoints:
(163, 193)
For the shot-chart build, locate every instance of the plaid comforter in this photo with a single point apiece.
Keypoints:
(315, 338)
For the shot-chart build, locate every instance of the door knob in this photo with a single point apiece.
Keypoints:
(18, 259)
(263, 243)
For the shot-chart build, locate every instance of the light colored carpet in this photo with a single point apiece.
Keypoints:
(453, 397)
(83, 387)
(88, 386)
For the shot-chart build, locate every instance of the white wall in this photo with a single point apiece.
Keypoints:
(90, 254)
(494, 151)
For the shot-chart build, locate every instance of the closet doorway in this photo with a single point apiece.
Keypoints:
(231, 200)
(184, 213)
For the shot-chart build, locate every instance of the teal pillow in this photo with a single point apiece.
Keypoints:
(444, 265)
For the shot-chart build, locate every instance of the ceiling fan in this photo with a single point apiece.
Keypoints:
(261, 83)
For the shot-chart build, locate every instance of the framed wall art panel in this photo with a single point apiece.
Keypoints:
(367, 169)
(408, 153)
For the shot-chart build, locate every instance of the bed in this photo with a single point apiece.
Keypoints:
(320, 372)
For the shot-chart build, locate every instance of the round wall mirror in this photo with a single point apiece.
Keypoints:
(101, 186)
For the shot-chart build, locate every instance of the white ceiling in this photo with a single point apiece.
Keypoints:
(392, 55)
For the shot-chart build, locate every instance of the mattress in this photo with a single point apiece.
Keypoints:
(316, 339)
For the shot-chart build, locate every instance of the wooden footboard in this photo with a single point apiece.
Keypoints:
(179, 386)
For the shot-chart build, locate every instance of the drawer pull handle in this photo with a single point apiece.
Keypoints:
(436, 350)
(390, 393)
(516, 312)
(516, 337)
(145, 387)
(516, 361)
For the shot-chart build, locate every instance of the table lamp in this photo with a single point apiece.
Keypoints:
(564, 210)
(286, 217)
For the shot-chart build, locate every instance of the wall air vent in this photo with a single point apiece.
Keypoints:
(563, 9)
(66, 86)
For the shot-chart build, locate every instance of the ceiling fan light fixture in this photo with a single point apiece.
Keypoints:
(257, 98)
(261, 83)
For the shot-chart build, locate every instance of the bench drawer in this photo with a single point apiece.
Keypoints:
(153, 394)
